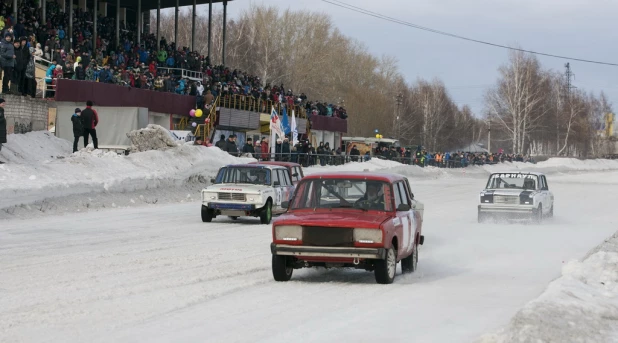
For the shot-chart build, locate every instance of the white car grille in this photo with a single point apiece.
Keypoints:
(506, 199)
(232, 196)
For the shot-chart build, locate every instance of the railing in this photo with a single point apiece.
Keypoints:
(182, 124)
(42, 61)
(249, 103)
(185, 73)
(205, 131)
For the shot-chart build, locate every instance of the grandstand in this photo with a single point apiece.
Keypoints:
(139, 85)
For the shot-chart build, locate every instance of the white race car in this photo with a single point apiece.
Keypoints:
(516, 195)
(254, 190)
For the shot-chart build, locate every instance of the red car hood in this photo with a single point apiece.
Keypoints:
(336, 218)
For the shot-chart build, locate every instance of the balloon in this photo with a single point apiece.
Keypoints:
(192, 113)
(194, 124)
(198, 113)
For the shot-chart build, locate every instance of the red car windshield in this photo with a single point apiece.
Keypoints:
(343, 193)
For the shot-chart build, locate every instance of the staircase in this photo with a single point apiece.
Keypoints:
(207, 129)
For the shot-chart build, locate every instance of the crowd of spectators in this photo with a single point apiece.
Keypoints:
(150, 65)
(308, 155)
(445, 159)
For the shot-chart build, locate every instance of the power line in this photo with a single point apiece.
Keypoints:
(405, 23)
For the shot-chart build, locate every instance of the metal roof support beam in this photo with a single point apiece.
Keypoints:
(209, 27)
(224, 27)
(70, 23)
(176, 10)
(43, 9)
(117, 24)
(158, 23)
(193, 17)
(139, 22)
(95, 15)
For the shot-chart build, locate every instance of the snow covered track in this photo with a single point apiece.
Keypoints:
(159, 274)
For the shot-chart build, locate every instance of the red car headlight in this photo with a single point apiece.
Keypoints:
(368, 236)
(289, 233)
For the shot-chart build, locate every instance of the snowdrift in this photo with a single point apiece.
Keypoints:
(560, 165)
(44, 173)
(153, 137)
(32, 147)
(580, 306)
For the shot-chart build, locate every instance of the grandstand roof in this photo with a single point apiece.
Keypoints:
(152, 4)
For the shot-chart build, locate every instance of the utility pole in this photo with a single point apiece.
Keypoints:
(568, 74)
(396, 126)
(489, 134)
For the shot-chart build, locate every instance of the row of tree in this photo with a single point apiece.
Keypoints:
(529, 110)
(535, 111)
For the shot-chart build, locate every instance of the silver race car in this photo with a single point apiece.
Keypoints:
(516, 195)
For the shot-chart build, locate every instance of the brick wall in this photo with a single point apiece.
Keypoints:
(24, 114)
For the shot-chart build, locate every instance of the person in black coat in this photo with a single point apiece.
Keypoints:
(80, 73)
(248, 148)
(78, 127)
(2, 125)
(230, 145)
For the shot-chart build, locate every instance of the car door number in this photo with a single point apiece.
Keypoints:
(278, 195)
(407, 223)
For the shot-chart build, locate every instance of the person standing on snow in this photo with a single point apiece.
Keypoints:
(78, 127)
(2, 125)
(90, 119)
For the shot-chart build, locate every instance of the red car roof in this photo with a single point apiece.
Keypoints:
(386, 177)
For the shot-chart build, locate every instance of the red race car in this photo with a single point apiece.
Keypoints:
(356, 220)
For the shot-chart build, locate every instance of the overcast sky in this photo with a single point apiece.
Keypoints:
(577, 28)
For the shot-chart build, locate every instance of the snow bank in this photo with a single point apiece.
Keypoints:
(37, 146)
(580, 306)
(37, 180)
(378, 165)
(552, 166)
(559, 165)
(153, 137)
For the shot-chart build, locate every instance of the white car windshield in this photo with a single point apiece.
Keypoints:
(251, 175)
(343, 193)
(512, 181)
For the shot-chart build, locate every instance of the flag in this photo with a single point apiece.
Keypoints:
(285, 124)
(275, 124)
(294, 130)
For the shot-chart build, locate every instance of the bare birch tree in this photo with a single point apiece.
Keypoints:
(515, 102)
